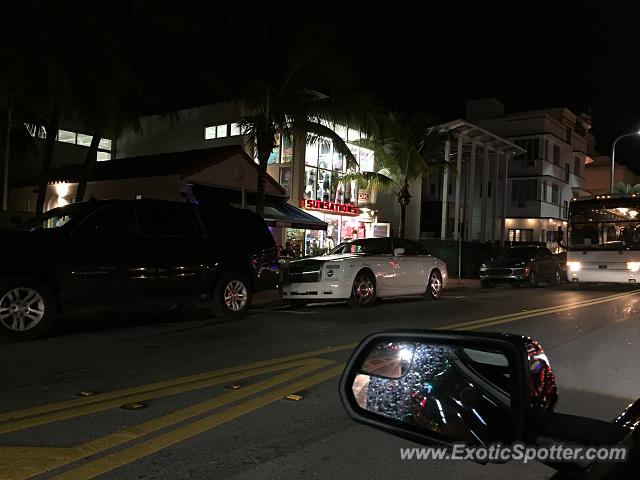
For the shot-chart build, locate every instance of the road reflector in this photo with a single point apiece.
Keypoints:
(86, 394)
(294, 397)
(233, 386)
(134, 406)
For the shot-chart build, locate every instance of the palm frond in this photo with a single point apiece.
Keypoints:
(316, 131)
(371, 180)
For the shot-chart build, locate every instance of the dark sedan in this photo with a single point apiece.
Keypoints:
(119, 253)
(522, 265)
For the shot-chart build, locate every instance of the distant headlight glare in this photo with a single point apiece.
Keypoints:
(574, 266)
(633, 266)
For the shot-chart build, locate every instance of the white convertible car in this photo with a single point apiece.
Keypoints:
(362, 270)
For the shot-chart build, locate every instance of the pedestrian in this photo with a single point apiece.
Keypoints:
(287, 251)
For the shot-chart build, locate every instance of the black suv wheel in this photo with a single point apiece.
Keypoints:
(232, 296)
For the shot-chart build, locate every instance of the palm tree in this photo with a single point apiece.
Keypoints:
(627, 189)
(275, 94)
(405, 150)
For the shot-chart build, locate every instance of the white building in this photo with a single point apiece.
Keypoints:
(544, 179)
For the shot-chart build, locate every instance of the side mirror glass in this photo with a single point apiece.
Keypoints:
(398, 251)
(436, 387)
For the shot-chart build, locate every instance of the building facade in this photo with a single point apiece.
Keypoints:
(468, 201)
(597, 175)
(542, 180)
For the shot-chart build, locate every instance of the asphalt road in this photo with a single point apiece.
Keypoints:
(214, 391)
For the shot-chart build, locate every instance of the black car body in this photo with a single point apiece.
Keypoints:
(528, 265)
(143, 252)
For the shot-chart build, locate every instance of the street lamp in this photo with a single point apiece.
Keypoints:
(613, 153)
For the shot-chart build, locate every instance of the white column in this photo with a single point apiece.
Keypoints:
(471, 184)
(456, 214)
(483, 192)
(494, 195)
(507, 159)
(445, 192)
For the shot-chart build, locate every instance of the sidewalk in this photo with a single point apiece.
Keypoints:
(457, 284)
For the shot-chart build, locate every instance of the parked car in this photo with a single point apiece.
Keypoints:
(142, 252)
(362, 270)
(522, 265)
(478, 389)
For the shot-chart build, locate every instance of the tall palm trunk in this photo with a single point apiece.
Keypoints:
(47, 159)
(89, 162)
(404, 198)
(260, 188)
(5, 161)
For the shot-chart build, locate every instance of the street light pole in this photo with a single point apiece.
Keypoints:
(613, 154)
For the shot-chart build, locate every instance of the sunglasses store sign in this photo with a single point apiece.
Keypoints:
(339, 208)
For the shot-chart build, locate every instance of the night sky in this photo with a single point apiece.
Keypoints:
(419, 56)
(412, 55)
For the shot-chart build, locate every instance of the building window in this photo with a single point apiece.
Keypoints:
(74, 138)
(520, 235)
(569, 135)
(532, 147)
(546, 150)
(216, 131)
(285, 178)
(235, 130)
(556, 154)
(523, 190)
(567, 171)
(565, 209)
(544, 190)
(555, 194)
(576, 165)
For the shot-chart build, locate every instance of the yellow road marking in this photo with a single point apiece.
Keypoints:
(123, 457)
(532, 313)
(142, 389)
(34, 461)
(95, 407)
(535, 314)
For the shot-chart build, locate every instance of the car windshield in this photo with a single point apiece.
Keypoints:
(517, 253)
(56, 218)
(373, 246)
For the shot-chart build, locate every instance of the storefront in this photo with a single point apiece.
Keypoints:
(344, 222)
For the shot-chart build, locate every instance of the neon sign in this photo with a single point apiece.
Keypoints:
(340, 208)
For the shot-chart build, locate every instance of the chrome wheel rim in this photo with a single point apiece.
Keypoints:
(363, 289)
(21, 309)
(235, 295)
(435, 284)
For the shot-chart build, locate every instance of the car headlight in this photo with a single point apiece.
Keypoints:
(574, 266)
(633, 266)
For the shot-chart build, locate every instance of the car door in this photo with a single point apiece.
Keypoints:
(409, 277)
(176, 249)
(105, 260)
(377, 254)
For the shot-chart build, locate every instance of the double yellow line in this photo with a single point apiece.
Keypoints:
(511, 317)
(25, 462)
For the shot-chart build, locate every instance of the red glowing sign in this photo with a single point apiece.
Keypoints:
(339, 208)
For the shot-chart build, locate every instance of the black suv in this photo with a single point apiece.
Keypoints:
(528, 265)
(140, 252)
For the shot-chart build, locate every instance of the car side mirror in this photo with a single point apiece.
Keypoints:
(398, 251)
(438, 387)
